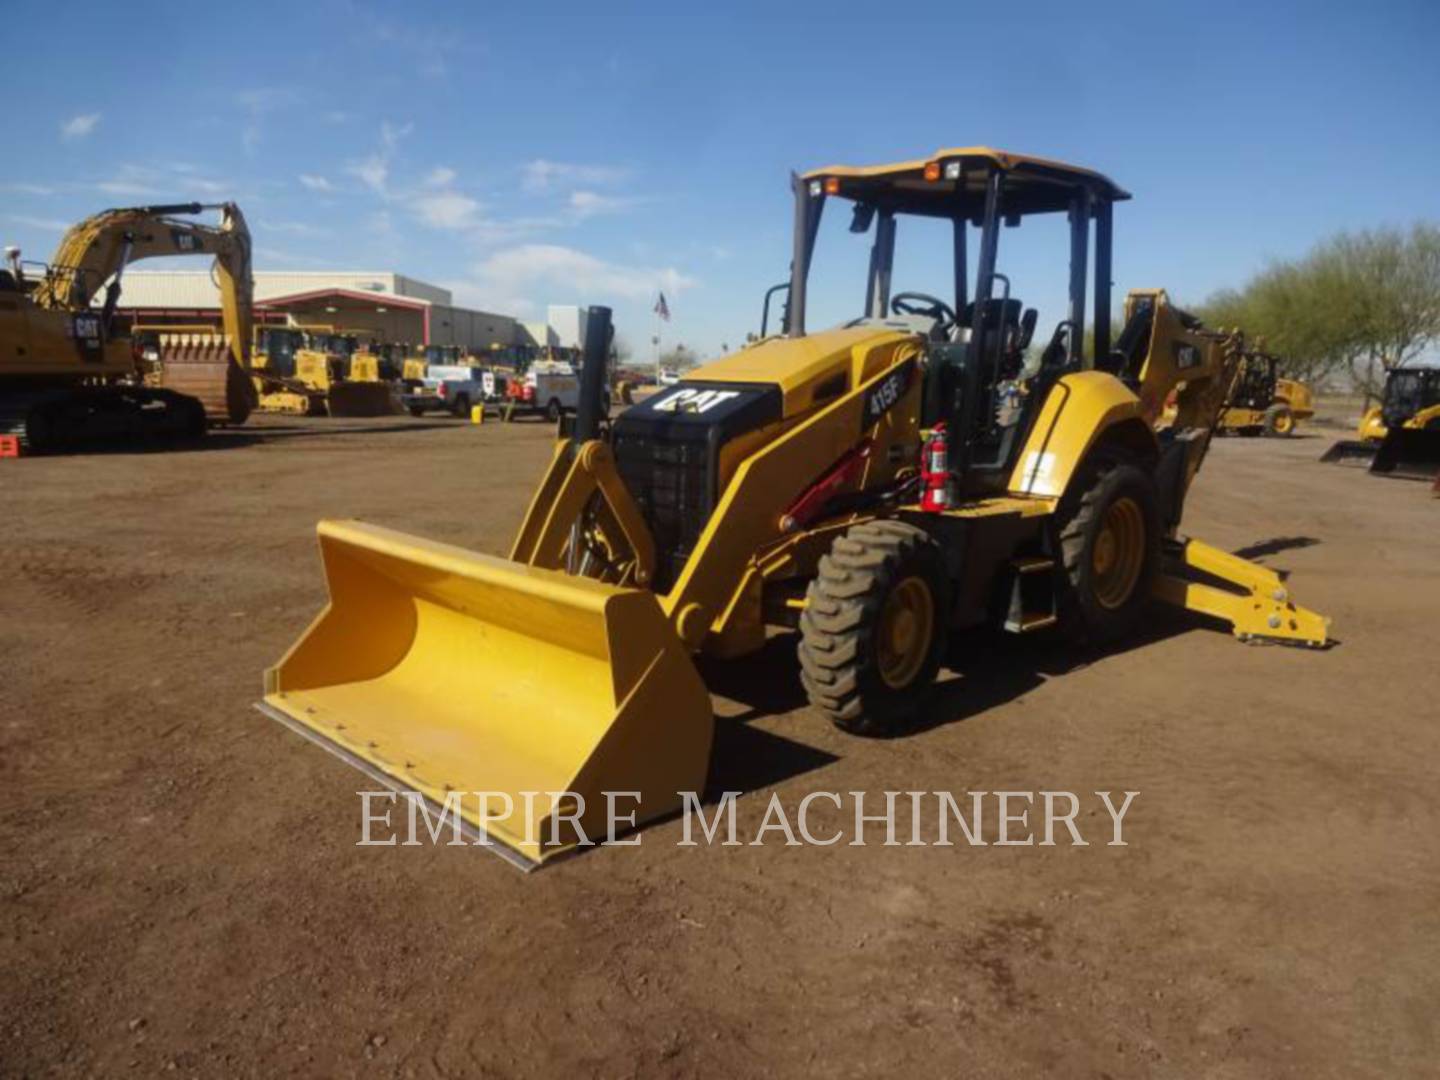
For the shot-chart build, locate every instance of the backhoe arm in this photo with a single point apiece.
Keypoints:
(1184, 357)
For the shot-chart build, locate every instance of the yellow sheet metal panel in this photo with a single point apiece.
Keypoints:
(1077, 412)
(799, 365)
(443, 670)
(1005, 159)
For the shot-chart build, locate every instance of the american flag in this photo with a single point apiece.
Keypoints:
(662, 309)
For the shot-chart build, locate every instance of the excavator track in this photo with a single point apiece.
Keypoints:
(68, 418)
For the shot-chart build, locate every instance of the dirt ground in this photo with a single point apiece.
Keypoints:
(181, 891)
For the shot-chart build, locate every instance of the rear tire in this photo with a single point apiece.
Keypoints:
(873, 631)
(461, 407)
(554, 411)
(1279, 422)
(1109, 531)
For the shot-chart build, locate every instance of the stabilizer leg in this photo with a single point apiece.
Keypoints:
(1253, 599)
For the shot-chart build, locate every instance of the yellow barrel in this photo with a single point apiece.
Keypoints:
(440, 670)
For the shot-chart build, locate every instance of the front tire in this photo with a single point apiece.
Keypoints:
(873, 631)
(554, 411)
(1109, 532)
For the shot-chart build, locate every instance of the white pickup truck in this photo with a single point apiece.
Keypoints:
(549, 387)
(452, 388)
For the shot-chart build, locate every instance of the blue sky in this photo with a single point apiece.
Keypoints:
(522, 159)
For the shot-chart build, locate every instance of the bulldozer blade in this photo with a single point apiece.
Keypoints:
(1252, 598)
(203, 366)
(1357, 452)
(521, 695)
(1408, 453)
(363, 399)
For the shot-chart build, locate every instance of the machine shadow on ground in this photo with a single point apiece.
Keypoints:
(983, 670)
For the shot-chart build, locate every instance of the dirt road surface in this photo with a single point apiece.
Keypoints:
(181, 892)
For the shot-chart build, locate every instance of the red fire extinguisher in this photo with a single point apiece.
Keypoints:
(935, 472)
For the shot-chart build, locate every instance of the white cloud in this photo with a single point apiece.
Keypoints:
(298, 228)
(391, 134)
(584, 204)
(541, 174)
(44, 224)
(257, 103)
(286, 258)
(372, 171)
(563, 268)
(440, 177)
(205, 187)
(28, 189)
(77, 127)
(447, 210)
(127, 187)
(315, 183)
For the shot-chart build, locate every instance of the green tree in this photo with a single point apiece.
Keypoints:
(1356, 305)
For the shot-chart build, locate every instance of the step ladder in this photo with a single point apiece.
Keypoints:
(1032, 594)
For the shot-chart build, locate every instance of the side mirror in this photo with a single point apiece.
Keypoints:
(862, 217)
(1027, 328)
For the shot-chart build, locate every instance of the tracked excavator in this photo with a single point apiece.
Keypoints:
(879, 486)
(68, 378)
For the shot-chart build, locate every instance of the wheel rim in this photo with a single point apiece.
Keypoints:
(1118, 553)
(907, 623)
(1283, 423)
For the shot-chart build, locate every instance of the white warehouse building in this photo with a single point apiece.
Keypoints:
(397, 308)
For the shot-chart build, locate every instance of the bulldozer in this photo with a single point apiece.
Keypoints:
(1264, 402)
(1400, 436)
(69, 377)
(878, 487)
(306, 372)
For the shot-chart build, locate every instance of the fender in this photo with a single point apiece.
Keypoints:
(1080, 410)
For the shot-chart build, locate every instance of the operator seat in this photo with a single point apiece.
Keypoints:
(1017, 323)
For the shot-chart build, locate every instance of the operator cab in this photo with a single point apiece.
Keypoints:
(981, 379)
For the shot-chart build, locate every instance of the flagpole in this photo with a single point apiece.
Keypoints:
(659, 305)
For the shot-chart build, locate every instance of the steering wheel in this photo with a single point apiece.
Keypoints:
(919, 303)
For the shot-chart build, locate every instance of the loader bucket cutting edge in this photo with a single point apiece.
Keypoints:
(449, 673)
(1356, 452)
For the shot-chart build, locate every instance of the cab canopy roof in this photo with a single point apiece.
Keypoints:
(951, 183)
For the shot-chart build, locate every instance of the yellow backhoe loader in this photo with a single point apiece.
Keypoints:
(1401, 435)
(68, 378)
(1264, 402)
(879, 486)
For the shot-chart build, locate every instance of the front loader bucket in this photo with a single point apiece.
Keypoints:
(362, 399)
(1359, 452)
(523, 694)
(1410, 453)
